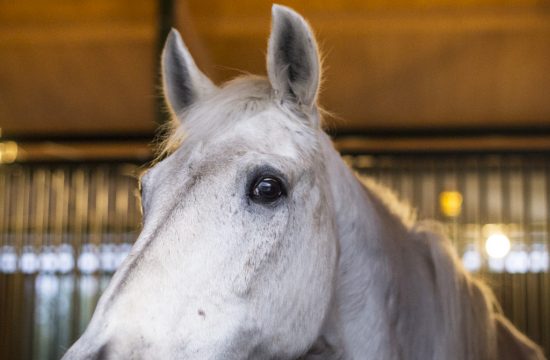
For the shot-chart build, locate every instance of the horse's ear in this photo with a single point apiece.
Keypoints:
(183, 83)
(292, 59)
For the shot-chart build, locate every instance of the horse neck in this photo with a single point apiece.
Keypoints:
(363, 274)
(396, 287)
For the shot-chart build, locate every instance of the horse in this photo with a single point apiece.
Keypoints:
(258, 241)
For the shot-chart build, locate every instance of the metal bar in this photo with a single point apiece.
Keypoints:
(545, 277)
(505, 215)
(531, 293)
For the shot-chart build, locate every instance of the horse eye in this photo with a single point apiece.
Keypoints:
(267, 189)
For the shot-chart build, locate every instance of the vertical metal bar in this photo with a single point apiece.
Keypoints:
(66, 280)
(26, 214)
(4, 331)
(18, 278)
(471, 207)
(18, 294)
(483, 166)
(531, 295)
(38, 215)
(80, 198)
(518, 285)
(100, 204)
(460, 178)
(54, 236)
(28, 286)
(21, 208)
(102, 208)
(59, 201)
(81, 208)
(505, 215)
(429, 204)
(4, 198)
(37, 237)
(450, 182)
(545, 277)
(121, 207)
(71, 239)
(7, 327)
(12, 278)
(30, 305)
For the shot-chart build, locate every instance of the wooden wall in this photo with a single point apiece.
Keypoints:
(90, 66)
(77, 67)
(404, 64)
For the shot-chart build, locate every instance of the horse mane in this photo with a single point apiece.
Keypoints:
(398, 207)
(467, 305)
(471, 322)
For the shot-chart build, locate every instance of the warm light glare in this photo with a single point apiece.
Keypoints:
(497, 245)
(8, 152)
(450, 203)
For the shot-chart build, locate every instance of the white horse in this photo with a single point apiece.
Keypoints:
(258, 242)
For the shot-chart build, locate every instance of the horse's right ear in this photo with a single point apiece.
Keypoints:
(182, 81)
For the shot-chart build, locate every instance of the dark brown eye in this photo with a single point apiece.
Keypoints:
(267, 190)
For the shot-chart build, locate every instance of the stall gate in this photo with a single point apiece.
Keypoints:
(64, 229)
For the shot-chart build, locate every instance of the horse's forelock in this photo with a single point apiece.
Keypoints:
(239, 98)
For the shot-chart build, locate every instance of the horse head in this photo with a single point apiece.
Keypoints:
(237, 254)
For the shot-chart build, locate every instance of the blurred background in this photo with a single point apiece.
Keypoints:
(445, 101)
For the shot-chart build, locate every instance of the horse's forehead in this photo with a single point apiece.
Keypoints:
(267, 132)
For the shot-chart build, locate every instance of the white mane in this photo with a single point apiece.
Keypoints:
(397, 206)
(468, 306)
(472, 323)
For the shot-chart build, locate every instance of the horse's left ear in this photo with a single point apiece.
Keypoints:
(292, 59)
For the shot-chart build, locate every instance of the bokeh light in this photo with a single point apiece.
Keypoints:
(497, 245)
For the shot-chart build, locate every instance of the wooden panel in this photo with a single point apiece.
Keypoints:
(89, 66)
(71, 67)
(431, 65)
